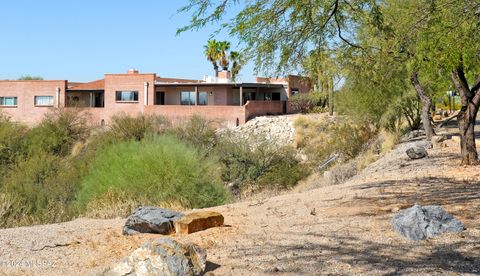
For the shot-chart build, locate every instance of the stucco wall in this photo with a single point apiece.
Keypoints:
(25, 91)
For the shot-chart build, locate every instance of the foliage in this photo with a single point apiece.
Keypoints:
(196, 131)
(217, 53)
(125, 127)
(307, 102)
(320, 139)
(11, 136)
(153, 171)
(255, 161)
(30, 77)
(270, 30)
(57, 132)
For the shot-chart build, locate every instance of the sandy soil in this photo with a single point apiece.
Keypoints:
(341, 230)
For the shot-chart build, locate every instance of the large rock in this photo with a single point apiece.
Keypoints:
(421, 222)
(198, 221)
(151, 220)
(164, 256)
(417, 152)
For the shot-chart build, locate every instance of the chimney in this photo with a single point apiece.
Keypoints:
(132, 71)
(224, 77)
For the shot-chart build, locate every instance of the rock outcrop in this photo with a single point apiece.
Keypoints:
(164, 256)
(151, 220)
(417, 152)
(422, 222)
(198, 221)
(278, 129)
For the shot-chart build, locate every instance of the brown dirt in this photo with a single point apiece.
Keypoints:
(343, 229)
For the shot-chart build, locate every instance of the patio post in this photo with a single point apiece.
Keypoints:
(196, 95)
(241, 95)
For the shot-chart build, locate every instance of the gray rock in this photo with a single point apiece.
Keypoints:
(164, 256)
(421, 222)
(417, 152)
(151, 220)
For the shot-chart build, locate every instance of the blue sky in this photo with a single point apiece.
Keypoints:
(81, 40)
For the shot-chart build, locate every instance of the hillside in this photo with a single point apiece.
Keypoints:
(343, 229)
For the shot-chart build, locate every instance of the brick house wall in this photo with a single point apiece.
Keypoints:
(25, 91)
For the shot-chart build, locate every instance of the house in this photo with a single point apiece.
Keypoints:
(136, 93)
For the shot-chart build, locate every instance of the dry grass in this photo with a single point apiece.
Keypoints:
(115, 205)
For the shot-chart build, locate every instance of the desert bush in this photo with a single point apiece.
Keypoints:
(196, 131)
(320, 139)
(125, 127)
(57, 132)
(11, 137)
(308, 102)
(153, 171)
(340, 173)
(256, 161)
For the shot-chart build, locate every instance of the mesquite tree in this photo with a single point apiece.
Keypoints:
(435, 41)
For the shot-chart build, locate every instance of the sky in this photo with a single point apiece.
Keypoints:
(82, 40)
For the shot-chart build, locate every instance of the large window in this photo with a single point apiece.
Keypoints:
(126, 96)
(8, 101)
(43, 100)
(187, 98)
(203, 98)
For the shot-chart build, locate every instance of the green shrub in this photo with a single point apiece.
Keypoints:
(125, 127)
(57, 132)
(256, 161)
(309, 102)
(196, 131)
(153, 171)
(11, 137)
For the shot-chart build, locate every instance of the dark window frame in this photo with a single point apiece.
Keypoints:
(118, 96)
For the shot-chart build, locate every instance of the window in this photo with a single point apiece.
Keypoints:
(43, 100)
(126, 96)
(294, 91)
(187, 98)
(203, 98)
(8, 101)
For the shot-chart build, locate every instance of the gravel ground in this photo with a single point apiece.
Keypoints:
(341, 230)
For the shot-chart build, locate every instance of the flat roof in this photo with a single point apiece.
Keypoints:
(210, 84)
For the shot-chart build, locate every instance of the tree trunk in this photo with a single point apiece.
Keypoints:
(470, 99)
(466, 124)
(426, 106)
(331, 100)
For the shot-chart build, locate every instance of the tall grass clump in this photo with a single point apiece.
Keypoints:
(125, 127)
(156, 170)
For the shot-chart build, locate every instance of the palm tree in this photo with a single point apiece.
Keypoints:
(237, 63)
(213, 53)
(224, 46)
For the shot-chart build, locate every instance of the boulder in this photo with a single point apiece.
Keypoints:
(164, 256)
(421, 222)
(417, 152)
(198, 221)
(151, 220)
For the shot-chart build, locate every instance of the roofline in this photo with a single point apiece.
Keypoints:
(33, 80)
(242, 84)
(126, 74)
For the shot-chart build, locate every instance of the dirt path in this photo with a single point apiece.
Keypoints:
(342, 229)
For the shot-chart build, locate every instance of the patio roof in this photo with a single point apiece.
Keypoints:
(89, 86)
(216, 84)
